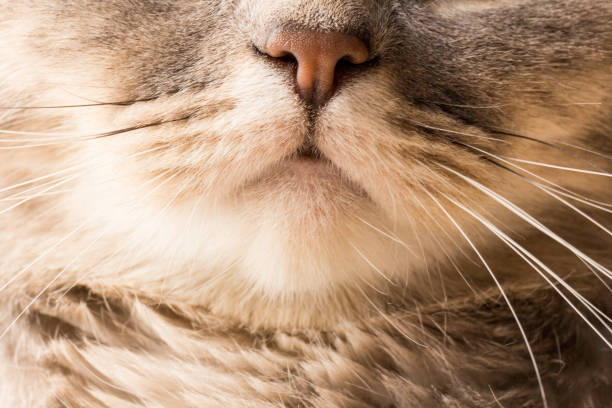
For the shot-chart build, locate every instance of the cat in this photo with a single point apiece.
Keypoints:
(305, 203)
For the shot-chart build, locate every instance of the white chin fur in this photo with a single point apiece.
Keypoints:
(308, 232)
(300, 229)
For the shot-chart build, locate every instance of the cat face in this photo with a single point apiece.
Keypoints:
(197, 155)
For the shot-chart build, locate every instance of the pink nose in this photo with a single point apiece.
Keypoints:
(317, 55)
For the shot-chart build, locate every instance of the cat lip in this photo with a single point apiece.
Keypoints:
(309, 151)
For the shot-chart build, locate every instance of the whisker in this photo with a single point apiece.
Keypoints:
(21, 194)
(33, 196)
(497, 401)
(593, 309)
(51, 282)
(556, 187)
(388, 235)
(73, 137)
(547, 189)
(553, 144)
(372, 265)
(52, 193)
(589, 202)
(552, 166)
(45, 177)
(85, 105)
(42, 255)
(503, 105)
(460, 193)
(39, 193)
(531, 260)
(531, 220)
(565, 202)
(80, 166)
(597, 275)
(443, 249)
(588, 304)
(584, 149)
(503, 293)
(454, 132)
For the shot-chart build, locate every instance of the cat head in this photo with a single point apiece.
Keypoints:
(302, 149)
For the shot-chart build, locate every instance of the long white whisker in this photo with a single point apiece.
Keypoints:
(20, 197)
(502, 105)
(29, 198)
(23, 193)
(377, 269)
(59, 136)
(75, 167)
(42, 255)
(503, 293)
(555, 187)
(565, 202)
(454, 132)
(547, 189)
(45, 134)
(527, 256)
(597, 275)
(591, 203)
(391, 237)
(553, 166)
(584, 149)
(552, 142)
(583, 300)
(464, 195)
(34, 145)
(531, 220)
(48, 285)
(442, 246)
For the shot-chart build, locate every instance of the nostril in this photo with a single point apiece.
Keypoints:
(286, 61)
(320, 58)
(281, 56)
(354, 59)
(288, 57)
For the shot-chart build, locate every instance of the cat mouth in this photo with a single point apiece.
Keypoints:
(309, 161)
(307, 168)
(308, 151)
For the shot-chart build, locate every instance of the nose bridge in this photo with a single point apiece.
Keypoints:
(317, 55)
(259, 19)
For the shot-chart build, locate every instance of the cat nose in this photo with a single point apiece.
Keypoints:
(319, 56)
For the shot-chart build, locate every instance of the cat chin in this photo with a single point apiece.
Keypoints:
(309, 229)
(306, 231)
(301, 230)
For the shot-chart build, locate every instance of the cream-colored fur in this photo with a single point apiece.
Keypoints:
(163, 244)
